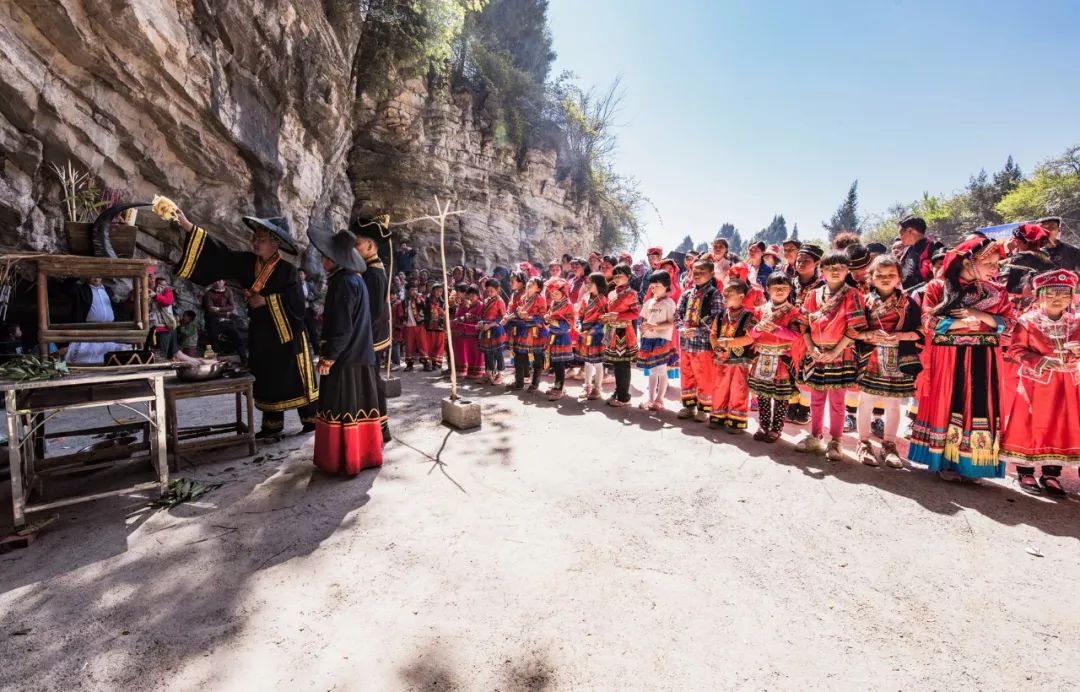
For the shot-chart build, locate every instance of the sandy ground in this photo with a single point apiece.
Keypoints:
(563, 546)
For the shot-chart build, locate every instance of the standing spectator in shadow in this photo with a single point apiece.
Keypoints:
(311, 292)
(218, 310)
(162, 318)
(404, 258)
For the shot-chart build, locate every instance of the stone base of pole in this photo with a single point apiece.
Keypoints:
(393, 387)
(460, 414)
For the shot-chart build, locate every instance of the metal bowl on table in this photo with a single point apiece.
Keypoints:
(200, 372)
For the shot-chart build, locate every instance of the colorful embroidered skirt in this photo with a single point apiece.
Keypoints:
(492, 340)
(531, 339)
(879, 374)
(590, 343)
(620, 345)
(1042, 427)
(560, 347)
(958, 427)
(771, 374)
(839, 374)
(654, 352)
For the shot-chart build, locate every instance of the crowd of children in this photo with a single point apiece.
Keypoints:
(978, 345)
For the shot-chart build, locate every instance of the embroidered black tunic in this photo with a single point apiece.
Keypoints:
(280, 356)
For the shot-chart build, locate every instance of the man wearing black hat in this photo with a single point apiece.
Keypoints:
(280, 355)
(373, 242)
(1062, 254)
(915, 266)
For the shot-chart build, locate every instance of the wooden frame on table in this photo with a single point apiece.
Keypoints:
(127, 332)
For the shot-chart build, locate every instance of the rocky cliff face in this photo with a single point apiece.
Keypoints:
(234, 107)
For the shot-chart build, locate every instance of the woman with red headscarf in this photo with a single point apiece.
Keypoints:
(958, 429)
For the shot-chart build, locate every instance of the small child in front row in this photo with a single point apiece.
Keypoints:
(656, 350)
(772, 376)
(733, 353)
(834, 316)
(560, 346)
(532, 336)
(492, 337)
(590, 343)
(620, 337)
(889, 358)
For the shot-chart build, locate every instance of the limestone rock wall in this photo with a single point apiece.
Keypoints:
(235, 107)
(416, 145)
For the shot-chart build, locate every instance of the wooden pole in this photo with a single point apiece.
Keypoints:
(446, 298)
(389, 307)
(43, 310)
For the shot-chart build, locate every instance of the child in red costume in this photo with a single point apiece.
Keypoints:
(732, 355)
(560, 345)
(1046, 346)
(834, 314)
(772, 376)
(697, 309)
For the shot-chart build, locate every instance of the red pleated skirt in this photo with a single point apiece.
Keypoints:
(348, 447)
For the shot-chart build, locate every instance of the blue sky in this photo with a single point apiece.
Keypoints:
(736, 111)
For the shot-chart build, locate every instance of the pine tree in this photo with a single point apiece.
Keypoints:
(731, 234)
(794, 232)
(701, 247)
(686, 245)
(846, 217)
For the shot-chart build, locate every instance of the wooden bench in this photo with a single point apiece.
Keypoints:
(193, 438)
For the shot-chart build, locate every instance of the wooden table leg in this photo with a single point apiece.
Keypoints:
(250, 419)
(239, 414)
(18, 499)
(160, 449)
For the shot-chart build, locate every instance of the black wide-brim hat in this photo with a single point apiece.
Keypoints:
(340, 247)
(376, 228)
(278, 226)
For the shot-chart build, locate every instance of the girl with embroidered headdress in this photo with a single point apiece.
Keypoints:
(1046, 346)
(492, 336)
(531, 336)
(888, 359)
(434, 328)
(957, 432)
(772, 374)
(560, 346)
(590, 343)
(620, 338)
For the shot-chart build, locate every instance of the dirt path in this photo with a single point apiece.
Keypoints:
(638, 553)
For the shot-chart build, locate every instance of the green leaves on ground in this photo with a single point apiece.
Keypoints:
(181, 490)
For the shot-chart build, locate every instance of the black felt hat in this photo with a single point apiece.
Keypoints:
(812, 250)
(340, 247)
(858, 256)
(877, 248)
(375, 228)
(278, 226)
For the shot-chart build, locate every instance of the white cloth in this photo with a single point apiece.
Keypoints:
(87, 353)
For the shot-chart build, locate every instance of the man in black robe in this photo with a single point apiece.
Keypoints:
(373, 243)
(348, 434)
(280, 355)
